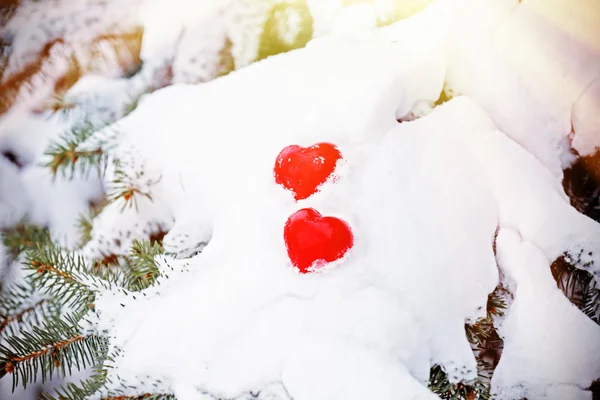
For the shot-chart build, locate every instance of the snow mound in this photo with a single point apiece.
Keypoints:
(565, 363)
(445, 181)
(424, 198)
(532, 66)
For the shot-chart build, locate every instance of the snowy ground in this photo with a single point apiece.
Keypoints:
(443, 206)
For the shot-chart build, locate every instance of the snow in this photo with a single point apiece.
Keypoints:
(555, 49)
(527, 64)
(32, 191)
(545, 217)
(424, 197)
(199, 60)
(64, 201)
(56, 65)
(257, 322)
(78, 23)
(267, 307)
(100, 100)
(257, 330)
(586, 120)
(568, 355)
(161, 37)
(13, 202)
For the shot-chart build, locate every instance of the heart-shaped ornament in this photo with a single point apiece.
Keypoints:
(303, 169)
(313, 240)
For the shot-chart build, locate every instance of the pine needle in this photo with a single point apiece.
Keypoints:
(23, 236)
(141, 269)
(67, 158)
(56, 347)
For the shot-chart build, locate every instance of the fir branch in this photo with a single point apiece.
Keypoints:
(57, 345)
(130, 391)
(90, 386)
(591, 302)
(85, 222)
(23, 236)
(125, 187)
(485, 342)
(479, 332)
(496, 305)
(145, 396)
(577, 284)
(30, 315)
(72, 391)
(483, 337)
(15, 298)
(440, 385)
(108, 265)
(58, 105)
(96, 385)
(62, 275)
(131, 105)
(142, 270)
(66, 156)
(482, 330)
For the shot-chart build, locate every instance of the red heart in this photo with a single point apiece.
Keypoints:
(303, 169)
(313, 240)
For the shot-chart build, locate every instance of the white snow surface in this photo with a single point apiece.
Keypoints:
(77, 22)
(238, 317)
(31, 190)
(531, 66)
(559, 362)
(424, 198)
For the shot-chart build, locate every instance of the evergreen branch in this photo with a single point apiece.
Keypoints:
(85, 222)
(87, 387)
(62, 275)
(479, 332)
(23, 236)
(21, 308)
(66, 156)
(482, 330)
(485, 343)
(57, 345)
(131, 105)
(577, 284)
(145, 396)
(58, 104)
(97, 381)
(72, 391)
(496, 304)
(20, 316)
(126, 188)
(440, 385)
(107, 266)
(15, 298)
(141, 269)
(591, 302)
